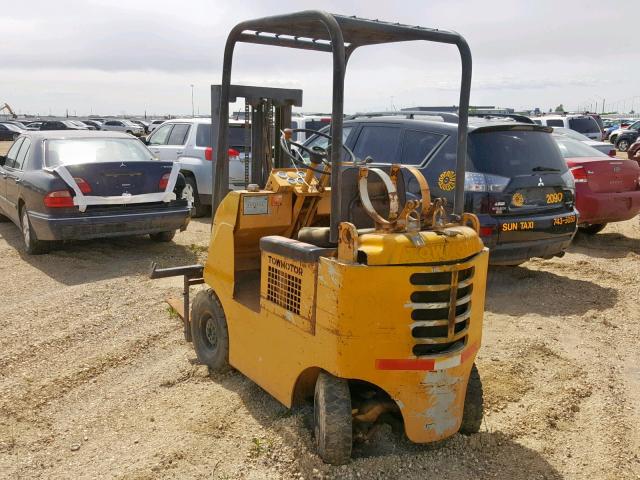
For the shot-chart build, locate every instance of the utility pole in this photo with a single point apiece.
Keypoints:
(193, 111)
(603, 106)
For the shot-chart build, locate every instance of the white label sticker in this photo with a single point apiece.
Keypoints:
(255, 205)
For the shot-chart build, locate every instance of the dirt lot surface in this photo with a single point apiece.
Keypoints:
(97, 381)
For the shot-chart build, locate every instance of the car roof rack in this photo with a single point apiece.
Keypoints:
(446, 116)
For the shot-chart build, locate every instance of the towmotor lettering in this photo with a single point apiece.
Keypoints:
(286, 266)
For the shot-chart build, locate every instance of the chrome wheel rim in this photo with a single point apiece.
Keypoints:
(26, 233)
(187, 193)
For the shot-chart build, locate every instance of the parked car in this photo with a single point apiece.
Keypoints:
(604, 147)
(584, 124)
(517, 182)
(69, 185)
(60, 125)
(143, 124)
(154, 124)
(634, 152)
(626, 138)
(93, 123)
(613, 136)
(9, 132)
(607, 190)
(308, 122)
(20, 125)
(125, 126)
(34, 125)
(82, 125)
(188, 141)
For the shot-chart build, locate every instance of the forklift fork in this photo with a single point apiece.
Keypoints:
(192, 275)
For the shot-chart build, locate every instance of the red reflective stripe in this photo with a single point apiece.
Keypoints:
(405, 364)
(420, 363)
(469, 352)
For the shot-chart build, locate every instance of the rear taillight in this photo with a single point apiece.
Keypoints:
(579, 174)
(486, 231)
(612, 153)
(482, 182)
(208, 153)
(58, 199)
(82, 185)
(164, 181)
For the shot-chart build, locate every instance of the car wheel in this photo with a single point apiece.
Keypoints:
(33, 246)
(191, 190)
(473, 410)
(623, 144)
(163, 236)
(592, 229)
(613, 138)
(333, 419)
(129, 132)
(209, 331)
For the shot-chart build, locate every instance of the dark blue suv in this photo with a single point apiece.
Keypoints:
(517, 182)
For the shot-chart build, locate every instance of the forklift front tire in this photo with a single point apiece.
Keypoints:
(209, 331)
(473, 404)
(333, 420)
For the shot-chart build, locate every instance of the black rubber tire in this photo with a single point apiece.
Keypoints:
(473, 404)
(592, 229)
(197, 209)
(209, 331)
(163, 236)
(129, 132)
(623, 144)
(613, 139)
(333, 421)
(32, 245)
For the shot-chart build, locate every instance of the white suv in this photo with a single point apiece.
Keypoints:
(125, 126)
(188, 140)
(584, 124)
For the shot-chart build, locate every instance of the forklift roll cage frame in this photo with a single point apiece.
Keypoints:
(339, 35)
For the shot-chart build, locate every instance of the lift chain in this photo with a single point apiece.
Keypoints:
(247, 143)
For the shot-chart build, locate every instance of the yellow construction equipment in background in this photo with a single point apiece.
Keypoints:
(338, 281)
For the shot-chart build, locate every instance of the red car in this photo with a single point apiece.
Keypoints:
(607, 189)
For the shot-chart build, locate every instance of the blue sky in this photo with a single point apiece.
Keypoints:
(115, 57)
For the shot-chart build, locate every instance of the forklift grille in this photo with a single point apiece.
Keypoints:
(440, 323)
(284, 289)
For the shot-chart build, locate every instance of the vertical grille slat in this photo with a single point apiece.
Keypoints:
(284, 289)
(441, 310)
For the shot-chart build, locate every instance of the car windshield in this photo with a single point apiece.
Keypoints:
(72, 151)
(584, 125)
(511, 153)
(571, 148)
(567, 132)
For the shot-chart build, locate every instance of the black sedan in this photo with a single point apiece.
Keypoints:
(68, 185)
(9, 132)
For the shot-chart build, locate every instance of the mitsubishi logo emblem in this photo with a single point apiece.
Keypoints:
(122, 164)
(540, 182)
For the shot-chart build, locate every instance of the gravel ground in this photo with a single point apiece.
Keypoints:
(97, 381)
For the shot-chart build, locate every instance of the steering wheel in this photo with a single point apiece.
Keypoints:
(317, 154)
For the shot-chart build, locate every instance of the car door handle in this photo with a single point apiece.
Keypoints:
(180, 152)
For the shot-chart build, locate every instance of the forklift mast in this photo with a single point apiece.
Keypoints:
(339, 35)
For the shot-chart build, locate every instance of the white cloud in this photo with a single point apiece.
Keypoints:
(113, 57)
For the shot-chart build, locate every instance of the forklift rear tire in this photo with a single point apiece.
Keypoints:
(332, 417)
(209, 331)
(473, 404)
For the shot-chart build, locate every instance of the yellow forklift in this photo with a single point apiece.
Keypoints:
(335, 280)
